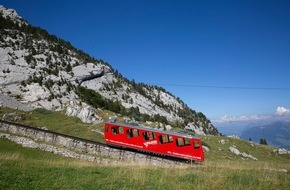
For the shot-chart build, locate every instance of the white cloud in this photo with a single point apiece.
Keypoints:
(242, 118)
(282, 111)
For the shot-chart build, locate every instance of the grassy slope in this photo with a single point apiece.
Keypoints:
(23, 168)
(58, 122)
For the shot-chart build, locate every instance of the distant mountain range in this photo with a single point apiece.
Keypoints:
(277, 134)
(41, 70)
(275, 131)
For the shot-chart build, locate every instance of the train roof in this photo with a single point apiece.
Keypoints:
(153, 130)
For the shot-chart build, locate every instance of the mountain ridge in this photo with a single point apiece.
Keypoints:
(44, 71)
(276, 133)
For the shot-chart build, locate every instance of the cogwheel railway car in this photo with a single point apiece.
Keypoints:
(154, 141)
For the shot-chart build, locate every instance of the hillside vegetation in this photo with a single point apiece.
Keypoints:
(23, 168)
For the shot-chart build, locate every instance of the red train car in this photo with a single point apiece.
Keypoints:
(154, 141)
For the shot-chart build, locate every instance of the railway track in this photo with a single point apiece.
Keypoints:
(101, 152)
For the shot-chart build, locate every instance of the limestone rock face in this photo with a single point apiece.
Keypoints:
(86, 113)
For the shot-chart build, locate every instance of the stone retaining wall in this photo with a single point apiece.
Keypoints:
(84, 146)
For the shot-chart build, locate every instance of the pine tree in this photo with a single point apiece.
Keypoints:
(263, 141)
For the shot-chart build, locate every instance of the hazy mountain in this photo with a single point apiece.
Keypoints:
(274, 128)
(239, 127)
(41, 70)
(277, 134)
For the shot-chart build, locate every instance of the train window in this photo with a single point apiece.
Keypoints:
(129, 133)
(114, 130)
(196, 145)
(145, 136)
(179, 142)
(151, 136)
(186, 141)
(132, 133)
(117, 130)
(121, 130)
(165, 139)
(148, 135)
(135, 132)
(182, 142)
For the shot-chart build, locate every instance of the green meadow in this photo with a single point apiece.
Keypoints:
(25, 168)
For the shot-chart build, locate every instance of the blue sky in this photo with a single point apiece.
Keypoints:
(191, 48)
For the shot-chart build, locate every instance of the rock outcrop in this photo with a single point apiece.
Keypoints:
(86, 113)
(234, 150)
